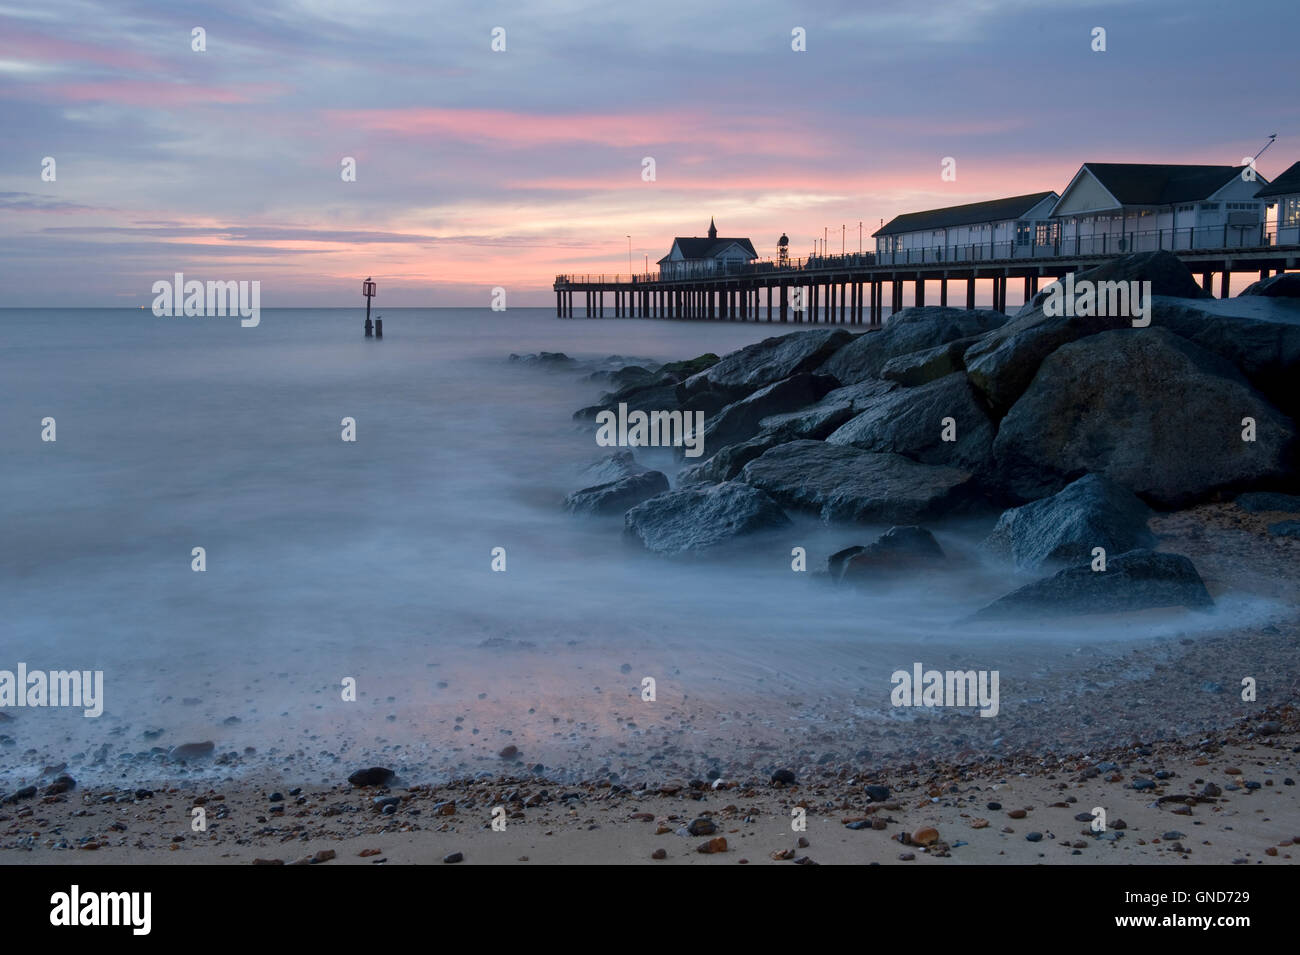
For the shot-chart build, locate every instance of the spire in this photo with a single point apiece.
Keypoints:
(713, 229)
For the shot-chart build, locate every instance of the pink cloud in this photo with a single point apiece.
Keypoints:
(763, 134)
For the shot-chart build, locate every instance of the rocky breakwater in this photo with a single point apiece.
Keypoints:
(1075, 428)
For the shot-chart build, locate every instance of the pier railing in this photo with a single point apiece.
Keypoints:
(724, 269)
(1254, 236)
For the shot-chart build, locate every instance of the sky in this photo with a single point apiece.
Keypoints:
(478, 168)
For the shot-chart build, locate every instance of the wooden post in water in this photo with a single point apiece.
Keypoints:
(368, 290)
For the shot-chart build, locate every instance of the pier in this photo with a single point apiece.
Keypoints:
(853, 289)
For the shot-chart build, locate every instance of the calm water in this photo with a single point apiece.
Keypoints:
(371, 560)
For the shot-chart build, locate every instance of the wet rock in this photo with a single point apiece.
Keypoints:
(931, 364)
(728, 463)
(842, 483)
(1284, 529)
(1138, 580)
(26, 792)
(61, 784)
(192, 750)
(907, 332)
(740, 420)
(915, 421)
(1063, 529)
(784, 776)
(1003, 362)
(698, 518)
(612, 467)
(1147, 409)
(768, 361)
(374, 776)
(509, 752)
(616, 496)
(819, 420)
(877, 793)
(702, 827)
(1285, 285)
(899, 550)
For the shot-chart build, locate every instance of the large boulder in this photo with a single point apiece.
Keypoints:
(899, 550)
(616, 496)
(908, 331)
(728, 462)
(1094, 511)
(1138, 580)
(818, 420)
(913, 421)
(766, 362)
(681, 370)
(1003, 362)
(615, 465)
(740, 420)
(694, 519)
(919, 368)
(1263, 344)
(843, 483)
(1285, 285)
(1148, 409)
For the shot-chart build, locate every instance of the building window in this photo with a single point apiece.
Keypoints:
(1045, 233)
(1291, 213)
(1209, 207)
(1022, 233)
(1244, 206)
(1188, 208)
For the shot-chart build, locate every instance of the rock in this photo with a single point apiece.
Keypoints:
(61, 784)
(509, 752)
(374, 776)
(739, 421)
(1033, 836)
(1148, 409)
(545, 359)
(627, 376)
(1263, 344)
(663, 395)
(268, 862)
(1003, 363)
(192, 750)
(877, 793)
(1138, 580)
(835, 563)
(818, 420)
(716, 844)
(928, 365)
(745, 371)
(925, 836)
(702, 827)
(26, 792)
(616, 496)
(612, 467)
(694, 519)
(843, 483)
(898, 550)
(1258, 502)
(785, 777)
(913, 422)
(324, 855)
(659, 854)
(681, 370)
(907, 332)
(727, 463)
(1016, 813)
(453, 857)
(1285, 285)
(1063, 529)
(1284, 529)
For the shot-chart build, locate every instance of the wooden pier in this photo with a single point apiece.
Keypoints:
(851, 290)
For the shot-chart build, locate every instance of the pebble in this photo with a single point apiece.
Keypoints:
(374, 776)
(783, 776)
(659, 854)
(702, 827)
(453, 857)
(717, 844)
(877, 793)
(925, 836)
(1033, 836)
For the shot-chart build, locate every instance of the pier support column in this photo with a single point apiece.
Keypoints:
(920, 291)
(970, 292)
(943, 290)
(1207, 282)
(784, 307)
(1225, 281)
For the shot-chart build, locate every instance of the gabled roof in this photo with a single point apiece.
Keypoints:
(1159, 184)
(1288, 183)
(995, 210)
(693, 247)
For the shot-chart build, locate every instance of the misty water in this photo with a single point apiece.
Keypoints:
(371, 560)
